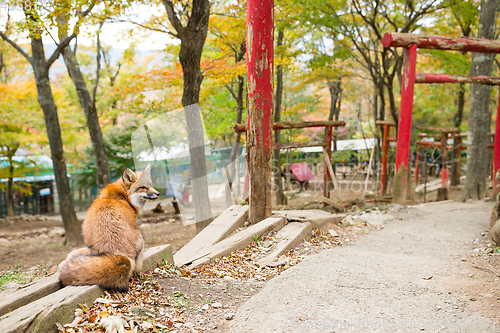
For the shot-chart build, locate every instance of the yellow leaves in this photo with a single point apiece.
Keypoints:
(223, 69)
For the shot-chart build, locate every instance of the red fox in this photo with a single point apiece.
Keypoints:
(114, 243)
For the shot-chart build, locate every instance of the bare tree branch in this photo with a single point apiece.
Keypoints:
(172, 17)
(98, 65)
(65, 42)
(14, 45)
(230, 88)
(166, 31)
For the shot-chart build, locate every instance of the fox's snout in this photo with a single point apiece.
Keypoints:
(153, 195)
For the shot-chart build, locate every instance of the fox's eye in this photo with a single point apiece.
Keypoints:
(143, 188)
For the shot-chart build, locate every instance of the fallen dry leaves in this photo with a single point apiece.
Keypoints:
(150, 307)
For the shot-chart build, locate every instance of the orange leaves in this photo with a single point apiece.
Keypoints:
(222, 69)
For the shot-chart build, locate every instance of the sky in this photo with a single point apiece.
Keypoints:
(112, 33)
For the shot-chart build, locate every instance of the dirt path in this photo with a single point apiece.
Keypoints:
(417, 274)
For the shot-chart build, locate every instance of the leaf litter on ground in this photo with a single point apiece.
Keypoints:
(169, 298)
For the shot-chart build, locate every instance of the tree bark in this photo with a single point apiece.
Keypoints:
(89, 108)
(277, 133)
(237, 136)
(239, 56)
(457, 121)
(193, 36)
(335, 89)
(46, 100)
(10, 181)
(477, 151)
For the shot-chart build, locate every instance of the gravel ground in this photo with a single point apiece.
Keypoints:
(417, 274)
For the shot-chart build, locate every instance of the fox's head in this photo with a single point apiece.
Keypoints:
(139, 186)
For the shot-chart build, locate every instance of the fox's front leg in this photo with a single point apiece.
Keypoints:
(139, 258)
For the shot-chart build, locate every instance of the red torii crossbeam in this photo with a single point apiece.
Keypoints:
(410, 42)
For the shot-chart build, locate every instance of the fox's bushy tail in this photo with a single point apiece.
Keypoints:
(109, 271)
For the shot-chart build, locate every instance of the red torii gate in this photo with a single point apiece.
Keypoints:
(410, 43)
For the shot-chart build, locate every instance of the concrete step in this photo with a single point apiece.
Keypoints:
(286, 239)
(317, 217)
(231, 219)
(238, 241)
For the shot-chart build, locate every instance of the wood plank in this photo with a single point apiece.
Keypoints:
(444, 129)
(383, 122)
(157, 255)
(317, 217)
(287, 238)
(231, 219)
(239, 240)
(290, 145)
(13, 299)
(240, 128)
(42, 314)
(337, 205)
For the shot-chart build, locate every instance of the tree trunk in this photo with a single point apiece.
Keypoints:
(277, 133)
(46, 100)
(10, 199)
(392, 104)
(378, 151)
(477, 151)
(89, 108)
(457, 121)
(237, 136)
(193, 37)
(234, 167)
(335, 89)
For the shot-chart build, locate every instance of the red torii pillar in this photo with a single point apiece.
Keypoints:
(410, 42)
(404, 124)
(260, 54)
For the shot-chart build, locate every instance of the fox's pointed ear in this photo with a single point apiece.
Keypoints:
(128, 176)
(147, 169)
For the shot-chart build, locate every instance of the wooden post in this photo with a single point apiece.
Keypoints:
(458, 158)
(260, 54)
(385, 159)
(496, 149)
(288, 174)
(444, 160)
(425, 175)
(404, 129)
(417, 164)
(327, 159)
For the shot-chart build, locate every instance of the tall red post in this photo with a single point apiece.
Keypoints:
(326, 176)
(496, 149)
(385, 159)
(404, 128)
(260, 53)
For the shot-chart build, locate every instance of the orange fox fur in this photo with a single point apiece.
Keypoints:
(114, 243)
